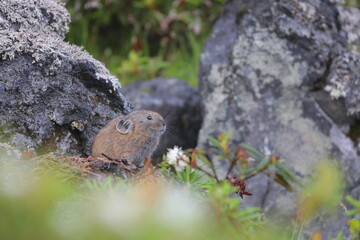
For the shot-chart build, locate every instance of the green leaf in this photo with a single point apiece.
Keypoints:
(248, 211)
(353, 201)
(253, 152)
(352, 212)
(339, 236)
(248, 214)
(204, 159)
(354, 226)
(214, 142)
(234, 203)
(282, 181)
(262, 164)
(250, 217)
(197, 177)
(287, 174)
(226, 137)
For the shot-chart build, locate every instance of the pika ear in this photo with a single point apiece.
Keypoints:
(124, 126)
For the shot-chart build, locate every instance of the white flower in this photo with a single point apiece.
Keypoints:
(177, 157)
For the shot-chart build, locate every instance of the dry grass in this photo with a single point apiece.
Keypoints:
(74, 168)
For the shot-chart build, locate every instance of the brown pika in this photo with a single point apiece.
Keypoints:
(133, 137)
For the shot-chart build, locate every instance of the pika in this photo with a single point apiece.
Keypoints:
(133, 137)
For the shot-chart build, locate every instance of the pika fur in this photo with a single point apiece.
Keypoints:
(133, 137)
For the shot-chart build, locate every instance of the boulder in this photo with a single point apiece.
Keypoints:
(278, 75)
(177, 102)
(53, 95)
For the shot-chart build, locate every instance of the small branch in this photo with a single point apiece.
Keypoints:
(255, 173)
(205, 172)
(123, 163)
(250, 176)
(212, 167)
(343, 207)
(214, 171)
(109, 158)
(233, 163)
(201, 170)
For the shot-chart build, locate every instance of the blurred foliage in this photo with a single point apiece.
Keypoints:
(352, 3)
(54, 197)
(141, 39)
(354, 224)
(319, 194)
(319, 197)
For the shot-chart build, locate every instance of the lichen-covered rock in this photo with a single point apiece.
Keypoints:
(349, 19)
(177, 102)
(279, 76)
(53, 95)
(343, 80)
(45, 16)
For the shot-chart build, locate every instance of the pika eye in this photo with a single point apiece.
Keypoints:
(149, 117)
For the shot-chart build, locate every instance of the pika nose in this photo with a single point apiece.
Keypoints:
(163, 123)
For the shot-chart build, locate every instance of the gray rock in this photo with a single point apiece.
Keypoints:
(343, 79)
(177, 102)
(349, 20)
(53, 95)
(279, 76)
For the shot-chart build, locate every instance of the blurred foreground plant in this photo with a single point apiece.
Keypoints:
(194, 169)
(57, 197)
(354, 224)
(37, 206)
(322, 195)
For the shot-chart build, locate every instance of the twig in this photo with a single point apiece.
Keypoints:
(123, 163)
(343, 207)
(233, 163)
(212, 167)
(251, 175)
(91, 173)
(206, 172)
(109, 158)
(195, 166)
(214, 171)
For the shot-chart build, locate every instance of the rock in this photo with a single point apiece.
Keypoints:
(279, 76)
(53, 95)
(177, 102)
(349, 19)
(344, 81)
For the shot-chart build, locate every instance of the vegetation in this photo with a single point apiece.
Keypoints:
(352, 3)
(57, 197)
(142, 39)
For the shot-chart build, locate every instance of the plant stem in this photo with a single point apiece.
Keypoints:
(233, 162)
(201, 170)
(301, 228)
(250, 176)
